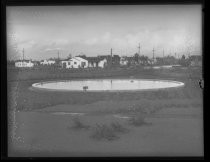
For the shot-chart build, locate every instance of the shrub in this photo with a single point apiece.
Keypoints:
(108, 132)
(103, 131)
(78, 124)
(117, 127)
(138, 121)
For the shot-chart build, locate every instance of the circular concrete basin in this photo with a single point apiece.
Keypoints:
(97, 85)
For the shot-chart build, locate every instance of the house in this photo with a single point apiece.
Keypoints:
(66, 63)
(127, 60)
(102, 63)
(195, 60)
(76, 62)
(80, 62)
(152, 61)
(107, 58)
(116, 60)
(110, 60)
(168, 60)
(84, 62)
(144, 60)
(47, 62)
(97, 62)
(24, 63)
(123, 61)
(93, 61)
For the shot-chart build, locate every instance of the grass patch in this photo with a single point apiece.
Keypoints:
(117, 127)
(108, 132)
(31, 100)
(138, 121)
(77, 124)
(104, 132)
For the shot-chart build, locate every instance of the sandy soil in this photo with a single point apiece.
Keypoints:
(172, 132)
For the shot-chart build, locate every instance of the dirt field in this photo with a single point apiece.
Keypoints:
(169, 122)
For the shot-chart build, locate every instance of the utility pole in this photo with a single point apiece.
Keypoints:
(23, 54)
(163, 52)
(163, 57)
(58, 55)
(111, 56)
(139, 49)
(153, 51)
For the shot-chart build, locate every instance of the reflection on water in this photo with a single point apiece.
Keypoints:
(67, 113)
(108, 85)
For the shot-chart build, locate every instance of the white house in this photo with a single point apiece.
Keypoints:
(123, 61)
(79, 62)
(102, 63)
(66, 63)
(47, 62)
(24, 63)
(76, 62)
(152, 62)
(92, 64)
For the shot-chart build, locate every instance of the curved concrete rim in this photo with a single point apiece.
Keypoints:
(34, 86)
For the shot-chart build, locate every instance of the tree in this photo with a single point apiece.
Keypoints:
(136, 58)
(143, 59)
(82, 56)
(10, 62)
(69, 56)
(183, 61)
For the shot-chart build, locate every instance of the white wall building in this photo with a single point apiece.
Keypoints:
(92, 64)
(123, 61)
(47, 62)
(66, 64)
(79, 62)
(102, 63)
(24, 63)
(76, 62)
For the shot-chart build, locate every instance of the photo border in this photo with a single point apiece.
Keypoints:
(4, 102)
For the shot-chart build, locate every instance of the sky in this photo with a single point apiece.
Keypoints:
(43, 31)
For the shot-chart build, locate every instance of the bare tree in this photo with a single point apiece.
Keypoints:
(69, 56)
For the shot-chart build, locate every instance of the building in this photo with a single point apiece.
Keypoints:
(123, 61)
(36, 63)
(85, 62)
(195, 60)
(76, 62)
(47, 62)
(102, 63)
(92, 61)
(79, 62)
(168, 60)
(66, 63)
(152, 61)
(24, 63)
(97, 62)
(115, 60)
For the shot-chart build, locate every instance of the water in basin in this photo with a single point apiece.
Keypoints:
(107, 85)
